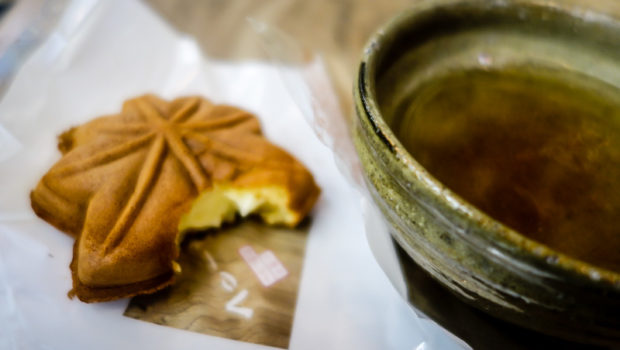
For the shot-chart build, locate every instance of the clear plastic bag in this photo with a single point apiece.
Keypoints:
(98, 54)
(314, 94)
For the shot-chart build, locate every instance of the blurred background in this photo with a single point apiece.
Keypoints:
(337, 30)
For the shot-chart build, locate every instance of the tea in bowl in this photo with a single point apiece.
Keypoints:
(489, 134)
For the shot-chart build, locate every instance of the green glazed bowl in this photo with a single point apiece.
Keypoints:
(480, 260)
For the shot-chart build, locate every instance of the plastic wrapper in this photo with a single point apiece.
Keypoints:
(313, 93)
(96, 55)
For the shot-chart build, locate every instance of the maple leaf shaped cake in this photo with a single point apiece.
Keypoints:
(128, 186)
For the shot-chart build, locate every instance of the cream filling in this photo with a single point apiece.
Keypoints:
(221, 204)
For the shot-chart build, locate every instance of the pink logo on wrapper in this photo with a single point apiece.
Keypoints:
(266, 265)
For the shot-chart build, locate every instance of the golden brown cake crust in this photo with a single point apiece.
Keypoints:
(125, 180)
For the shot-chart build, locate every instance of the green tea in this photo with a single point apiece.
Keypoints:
(538, 152)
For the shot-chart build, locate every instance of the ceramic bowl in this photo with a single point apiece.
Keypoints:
(480, 260)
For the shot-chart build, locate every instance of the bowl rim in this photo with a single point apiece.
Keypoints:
(432, 188)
